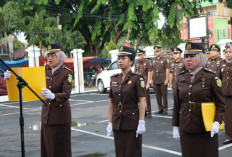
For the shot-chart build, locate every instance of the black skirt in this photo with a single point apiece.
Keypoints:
(127, 145)
(56, 140)
(199, 144)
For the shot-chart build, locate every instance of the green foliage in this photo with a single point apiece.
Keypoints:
(10, 17)
(18, 44)
(102, 23)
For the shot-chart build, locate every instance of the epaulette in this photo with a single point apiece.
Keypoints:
(183, 70)
(115, 75)
(137, 74)
(64, 67)
(209, 70)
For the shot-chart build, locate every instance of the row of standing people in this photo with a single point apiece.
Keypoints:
(192, 81)
(128, 99)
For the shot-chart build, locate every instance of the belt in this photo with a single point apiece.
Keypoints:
(121, 107)
(192, 105)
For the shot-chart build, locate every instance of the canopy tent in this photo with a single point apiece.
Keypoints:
(12, 64)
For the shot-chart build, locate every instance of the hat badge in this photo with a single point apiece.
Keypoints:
(138, 51)
(121, 49)
(49, 47)
(189, 46)
(213, 47)
(175, 49)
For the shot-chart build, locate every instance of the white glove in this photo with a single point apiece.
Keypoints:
(47, 94)
(7, 75)
(141, 128)
(109, 129)
(215, 128)
(176, 134)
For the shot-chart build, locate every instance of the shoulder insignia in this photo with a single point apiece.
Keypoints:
(142, 84)
(219, 82)
(64, 67)
(114, 75)
(69, 78)
(209, 70)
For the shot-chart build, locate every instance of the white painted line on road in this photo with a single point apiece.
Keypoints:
(103, 121)
(28, 111)
(162, 149)
(162, 116)
(78, 100)
(226, 146)
(88, 102)
(11, 106)
(144, 145)
(92, 133)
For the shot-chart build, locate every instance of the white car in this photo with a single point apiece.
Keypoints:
(103, 78)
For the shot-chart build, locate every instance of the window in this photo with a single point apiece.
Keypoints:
(218, 34)
(225, 11)
(113, 66)
(213, 13)
(224, 34)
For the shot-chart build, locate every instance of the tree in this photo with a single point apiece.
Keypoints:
(37, 26)
(10, 19)
(104, 22)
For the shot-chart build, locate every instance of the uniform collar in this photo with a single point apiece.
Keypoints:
(128, 75)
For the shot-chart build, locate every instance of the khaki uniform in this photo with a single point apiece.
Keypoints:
(126, 113)
(56, 117)
(175, 67)
(159, 67)
(225, 74)
(187, 112)
(213, 64)
(142, 67)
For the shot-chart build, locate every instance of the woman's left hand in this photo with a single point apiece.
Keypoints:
(215, 128)
(47, 94)
(141, 128)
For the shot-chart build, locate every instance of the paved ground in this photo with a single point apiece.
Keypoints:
(89, 120)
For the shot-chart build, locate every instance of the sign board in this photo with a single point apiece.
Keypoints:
(198, 27)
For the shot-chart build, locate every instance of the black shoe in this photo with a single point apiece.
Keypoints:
(159, 112)
(165, 112)
(148, 116)
(227, 142)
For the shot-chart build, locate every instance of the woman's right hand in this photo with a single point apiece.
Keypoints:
(109, 129)
(7, 75)
(176, 134)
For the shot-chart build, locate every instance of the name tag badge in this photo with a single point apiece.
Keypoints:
(114, 84)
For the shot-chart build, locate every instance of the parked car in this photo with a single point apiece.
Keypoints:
(103, 78)
(3, 90)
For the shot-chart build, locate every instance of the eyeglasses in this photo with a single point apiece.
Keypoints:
(51, 56)
(191, 56)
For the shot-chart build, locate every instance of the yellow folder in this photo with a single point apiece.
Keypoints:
(208, 112)
(34, 76)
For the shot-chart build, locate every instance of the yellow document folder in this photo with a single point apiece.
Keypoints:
(208, 113)
(34, 76)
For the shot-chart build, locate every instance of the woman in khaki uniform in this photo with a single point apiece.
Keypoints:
(195, 85)
(225, 74)
(126, 117)
(56, 117)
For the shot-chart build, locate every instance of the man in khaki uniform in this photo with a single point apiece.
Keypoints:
(143, 67)
(175, 65)
(225, 74)
(207, 52)
(160, 79)
(214, 60)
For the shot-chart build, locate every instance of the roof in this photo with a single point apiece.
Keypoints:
(207, 3)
